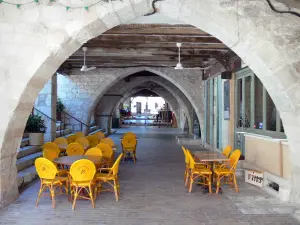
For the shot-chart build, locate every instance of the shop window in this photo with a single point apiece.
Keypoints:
(271, 112)
(258, 105)
(247, 114)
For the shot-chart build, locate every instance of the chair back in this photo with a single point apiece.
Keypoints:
(75, 149)
(83, 141)
(129, 143)
(93, 140)
(191, 159)
(108, 141)
(129, 135)
(45, 168)
(50, 153)
(105, 149)
(227, 150)
(83, 170)
(72, 138)
(94, 152)
(61, 141)
(79, 134)
(186, 157)
(100, 135)
(51, 145)
(115, 167)
(234, 159)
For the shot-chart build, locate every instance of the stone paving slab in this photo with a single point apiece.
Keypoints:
(152, 192)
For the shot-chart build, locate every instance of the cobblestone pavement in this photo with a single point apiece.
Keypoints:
(152, 192)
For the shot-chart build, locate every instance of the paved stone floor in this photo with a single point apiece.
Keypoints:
(152, 192)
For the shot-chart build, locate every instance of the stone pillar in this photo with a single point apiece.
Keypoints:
(46, 103)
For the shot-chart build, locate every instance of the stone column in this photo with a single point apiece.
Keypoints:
(46, 103)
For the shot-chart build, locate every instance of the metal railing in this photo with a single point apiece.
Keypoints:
(63, 122)
(81, 124)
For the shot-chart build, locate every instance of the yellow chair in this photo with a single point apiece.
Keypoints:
(228, 170)
(83, 141)
(93, 140)
(61, 141)
(198, 170)
(129, 135)
(50, 153)
(50, 145)
(129, 148)
(187, 167)
(94, 152)
(72, 138)
(75, 149)
(108, 141)
(111, 176)
(82, 178)
(107, 152)
(48, 174)
(227, 150)
(79, 134)
(100, 135)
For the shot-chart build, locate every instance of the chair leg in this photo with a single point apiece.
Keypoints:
(91, 190)
(39, 194)
(116, 190)
(52, 192)
(191, 183)
(75, 197)
(209, 184)
(187, 179)
(218, 183)
(235, 183)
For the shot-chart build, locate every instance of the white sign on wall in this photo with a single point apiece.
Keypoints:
(254, 177)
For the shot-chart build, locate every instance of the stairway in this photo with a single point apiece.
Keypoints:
(27, 154)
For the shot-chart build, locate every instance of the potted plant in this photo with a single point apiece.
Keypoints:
(59, 109)
(36, 129)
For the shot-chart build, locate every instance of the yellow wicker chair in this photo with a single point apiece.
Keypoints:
(129, 148)
(111, 178)
(198, 170)
(79, 134)
(107, 152)
(227, 171)
(50, 153)
(100, 135)
(50, 179)
(93, 140)
(72, 138)
(83, 141)
(75, 149)
(94, 152)
(82, 178)
(130, 135)
(61, 141)
(50, 145)
(108, 141)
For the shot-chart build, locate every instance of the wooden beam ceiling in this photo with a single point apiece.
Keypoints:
(133, 45)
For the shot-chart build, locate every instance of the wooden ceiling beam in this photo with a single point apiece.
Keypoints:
(156, 38)
(149, 45)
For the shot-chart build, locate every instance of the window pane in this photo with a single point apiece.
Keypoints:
(271, 113)
(258, 118)
(239, 99)
(247, 114)
(208, 111)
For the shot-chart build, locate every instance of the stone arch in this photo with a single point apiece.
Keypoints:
(121, 87)
(266, 41)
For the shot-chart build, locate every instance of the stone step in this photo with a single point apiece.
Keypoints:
(26, 176)
(28, 150)
(63, 132)
(95, 131)
(93, 128)
(25, 135)
(24, 142)
(27, 161)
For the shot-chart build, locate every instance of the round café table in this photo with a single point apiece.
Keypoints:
(69, 160)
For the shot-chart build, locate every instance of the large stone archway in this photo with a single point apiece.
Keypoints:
(35, 40)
